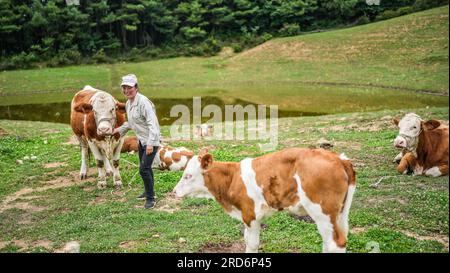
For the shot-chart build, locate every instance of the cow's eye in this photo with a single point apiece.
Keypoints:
(414, 127)
(188, 176)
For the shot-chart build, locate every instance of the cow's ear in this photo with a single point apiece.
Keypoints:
(207, 161)
(431, 124)
(83, 108)
(396, 121)
(120, 106)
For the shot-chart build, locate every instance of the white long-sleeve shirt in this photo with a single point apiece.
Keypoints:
(142, 120)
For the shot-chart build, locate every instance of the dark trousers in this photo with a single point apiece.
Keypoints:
(145, 170)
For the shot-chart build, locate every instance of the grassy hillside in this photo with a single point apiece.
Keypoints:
(336, 71)
(43, 204)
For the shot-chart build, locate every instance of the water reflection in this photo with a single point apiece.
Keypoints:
(60, 112)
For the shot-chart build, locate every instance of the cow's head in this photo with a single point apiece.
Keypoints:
(105, 109)
(410, 127)
(192, 183)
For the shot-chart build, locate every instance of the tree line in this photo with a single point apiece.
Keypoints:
(61, 32)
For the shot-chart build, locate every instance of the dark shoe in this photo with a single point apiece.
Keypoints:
(149, 204)
(141, 197)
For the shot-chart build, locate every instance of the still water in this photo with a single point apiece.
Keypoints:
(60, 112)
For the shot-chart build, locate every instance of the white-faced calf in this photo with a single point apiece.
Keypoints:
(424, 146)
(303, 181)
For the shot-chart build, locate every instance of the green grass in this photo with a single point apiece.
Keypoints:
(364, 68)
(404, 214)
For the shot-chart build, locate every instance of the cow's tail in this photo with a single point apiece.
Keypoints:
(351, 179)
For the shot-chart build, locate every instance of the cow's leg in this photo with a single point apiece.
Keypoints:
(116, 157)
(333, 236)
(251, 236)
(437, 171)
(84, 151)
(343, 217)
(108, 168)
(407, 163)
(434, 172)
(100, 165)
(443, 168)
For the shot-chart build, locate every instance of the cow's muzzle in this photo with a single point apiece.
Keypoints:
(104, 128)
(400, 142)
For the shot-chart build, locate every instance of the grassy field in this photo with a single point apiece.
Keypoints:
(384, 65)
(44, 205)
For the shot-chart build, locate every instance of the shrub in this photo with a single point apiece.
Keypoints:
(153, 52)
(289, 30)
(236, 47)
(388, 14)
(193, 33)
(363, 20)
(23, 60)
(211, 46)
(133, 54)
(100, 57)
(266, 36)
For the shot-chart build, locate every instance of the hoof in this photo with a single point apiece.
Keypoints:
(118, 184)
(101, 184)
(83, 176)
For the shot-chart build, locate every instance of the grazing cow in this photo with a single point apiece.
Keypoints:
(167, 158)
(94, 114)
(303, 181)
(424, 146)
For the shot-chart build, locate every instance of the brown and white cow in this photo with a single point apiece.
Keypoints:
(172, 159)
(303, 181)
(424, 146)
(167, 158)
(94, 114)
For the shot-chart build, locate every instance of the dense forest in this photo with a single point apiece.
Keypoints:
(36, 33)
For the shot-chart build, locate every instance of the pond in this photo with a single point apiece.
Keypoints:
(60, 112)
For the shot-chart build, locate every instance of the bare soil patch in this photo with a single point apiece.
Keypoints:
(24, 245)
(236, 247)
(61, 182)
(443, 239)
(3, 132)
(168, 204)
(128, 245)
(54, 165)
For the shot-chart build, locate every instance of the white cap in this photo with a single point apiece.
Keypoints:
(129, 80)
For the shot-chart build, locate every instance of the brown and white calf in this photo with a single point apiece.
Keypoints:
(167, 158)
(94, 115)
(303, 181)
(172, 159)
(424, 146)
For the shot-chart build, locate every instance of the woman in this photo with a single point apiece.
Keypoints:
(143, 121)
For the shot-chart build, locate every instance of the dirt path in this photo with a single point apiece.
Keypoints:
(61, 182)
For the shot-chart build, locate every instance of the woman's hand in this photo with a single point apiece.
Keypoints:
(115, 131)
(149, 150)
